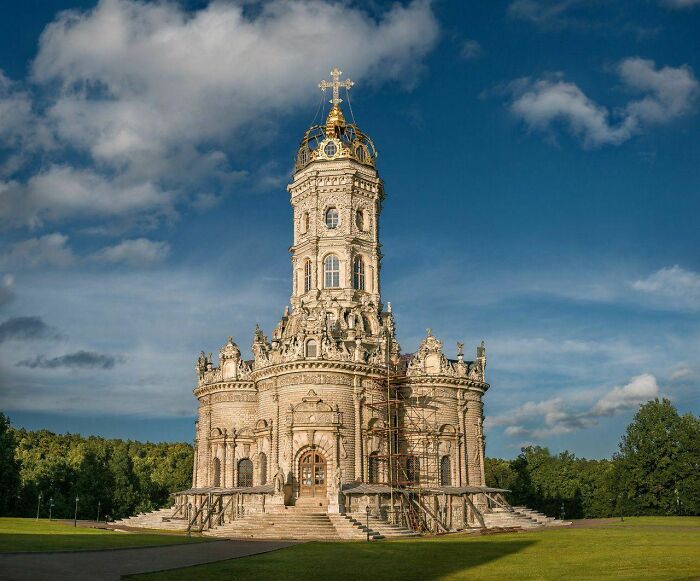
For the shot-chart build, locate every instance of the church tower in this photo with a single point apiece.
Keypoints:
(337, 197)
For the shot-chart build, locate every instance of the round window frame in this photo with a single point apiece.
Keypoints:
(334, 145)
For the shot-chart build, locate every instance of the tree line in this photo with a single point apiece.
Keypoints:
(655, 472)
(120, 478)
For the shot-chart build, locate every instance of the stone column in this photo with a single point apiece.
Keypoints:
(234, 464)
(276, 430)
(358, 436)
(472, 418)
(290, 450)
(463, 453)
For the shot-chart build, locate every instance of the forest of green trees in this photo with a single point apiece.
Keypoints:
(655, 472)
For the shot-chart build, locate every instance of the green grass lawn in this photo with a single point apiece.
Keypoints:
(25, 534)
(654, 548)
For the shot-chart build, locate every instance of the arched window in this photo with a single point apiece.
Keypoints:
(412, 469)
(360, 220)
(262, 470)
(358, 273)
(445, 471)
(332, 217)
(216, 476)
(331, 270)
(305, 223)
(311, 349)
(307, 275)
(373, 468)
(245, 472)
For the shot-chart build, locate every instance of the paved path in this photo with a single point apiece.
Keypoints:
(112, 564)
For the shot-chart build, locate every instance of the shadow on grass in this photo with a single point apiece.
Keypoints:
(414, 559)
(10, 543)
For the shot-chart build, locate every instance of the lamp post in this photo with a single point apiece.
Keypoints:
(622, 516)
(367, 511)
(98, 511)
(562, 511)
(75, 516)
(38, 506)
(50, 508)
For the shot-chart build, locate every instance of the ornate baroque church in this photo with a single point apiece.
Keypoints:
(330, 413)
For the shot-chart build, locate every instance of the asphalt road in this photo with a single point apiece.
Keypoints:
(112, 564)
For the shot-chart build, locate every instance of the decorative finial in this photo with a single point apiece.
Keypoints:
(335, 84)
(460, 349)
(429, 332)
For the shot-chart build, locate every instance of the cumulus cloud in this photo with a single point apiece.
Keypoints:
(546, 105)
(62, 191)
(681, 3)
(138, 252)
(7, 295)
(21, 132)
(471, 50)
(25, 329)
(545, 14)
(672, 286)
(557, 416)
(49, 250)
(639, 390)
(151, 93)
(77, 360)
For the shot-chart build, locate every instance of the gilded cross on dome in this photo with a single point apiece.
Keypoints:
(335, 84)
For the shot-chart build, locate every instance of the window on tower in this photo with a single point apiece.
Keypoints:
(330, 149)
(307, 275)
(332, 218)
(305, 223)
(331, 271)
(311, 350)
(358, 273)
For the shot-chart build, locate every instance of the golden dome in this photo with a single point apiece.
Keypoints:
(337, 139)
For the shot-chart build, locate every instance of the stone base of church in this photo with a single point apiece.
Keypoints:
(437, 509)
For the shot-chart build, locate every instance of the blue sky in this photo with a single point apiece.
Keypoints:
(541, 162)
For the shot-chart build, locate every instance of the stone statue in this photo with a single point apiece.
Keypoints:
(279, 480)
(338, 477)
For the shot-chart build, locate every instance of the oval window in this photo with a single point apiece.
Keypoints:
(330, 149)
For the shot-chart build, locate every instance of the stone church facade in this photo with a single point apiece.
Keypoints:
(330, 412)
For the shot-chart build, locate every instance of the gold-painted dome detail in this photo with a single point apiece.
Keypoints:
(337, 138)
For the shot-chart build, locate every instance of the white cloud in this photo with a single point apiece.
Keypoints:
(639, 390)
(545, 105)
(565, 414)
(138, 252)
(20, 130)
(471, 50)
(62, 191)
(49, 250)
(681, 3)
(157, 97)
(672, 287)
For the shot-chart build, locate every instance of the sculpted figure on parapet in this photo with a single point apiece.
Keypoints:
(279, 480)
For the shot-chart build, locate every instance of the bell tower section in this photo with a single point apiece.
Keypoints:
(337, 198)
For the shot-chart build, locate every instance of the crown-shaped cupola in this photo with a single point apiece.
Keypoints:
(337, 139)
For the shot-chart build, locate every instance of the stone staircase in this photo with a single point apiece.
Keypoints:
(157, 519)
(381, 527)
(541, 518)
(294, 523)
(307, 523)
(520, 517)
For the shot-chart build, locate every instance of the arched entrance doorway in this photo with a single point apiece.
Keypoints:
(312, 474)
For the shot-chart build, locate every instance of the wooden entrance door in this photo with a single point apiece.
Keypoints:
(312, 474)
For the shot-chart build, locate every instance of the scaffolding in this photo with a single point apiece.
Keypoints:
(403, 422)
